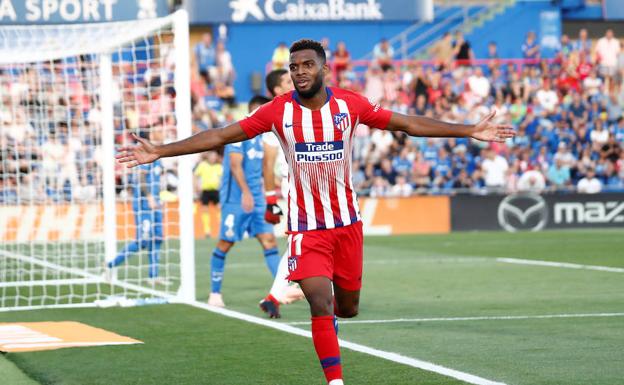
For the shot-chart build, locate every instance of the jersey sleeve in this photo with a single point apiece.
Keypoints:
(371, 114)
(234, 148)
(258, 121)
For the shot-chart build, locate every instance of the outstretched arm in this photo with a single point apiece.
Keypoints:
(422, 126)
(146, 152)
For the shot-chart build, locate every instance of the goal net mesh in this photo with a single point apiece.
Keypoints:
(59, 88)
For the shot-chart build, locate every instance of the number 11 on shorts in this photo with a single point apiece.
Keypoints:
(294, 253)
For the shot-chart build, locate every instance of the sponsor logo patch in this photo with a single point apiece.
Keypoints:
(319, 152)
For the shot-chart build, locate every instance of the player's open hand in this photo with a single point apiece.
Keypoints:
(141, 153)
(489, 131)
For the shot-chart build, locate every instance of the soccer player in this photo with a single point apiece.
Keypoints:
(148, 216)
(315, 125)
(278, 82)
(242, 207)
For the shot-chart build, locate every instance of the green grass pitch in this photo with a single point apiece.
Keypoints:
(414, 278)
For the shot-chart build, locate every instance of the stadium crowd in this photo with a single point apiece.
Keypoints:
(50, 115)
(567, 111)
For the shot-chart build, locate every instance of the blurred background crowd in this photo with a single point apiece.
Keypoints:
(567, 111)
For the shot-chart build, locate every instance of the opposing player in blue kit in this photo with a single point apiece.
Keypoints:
(242, 206)
(148, 217)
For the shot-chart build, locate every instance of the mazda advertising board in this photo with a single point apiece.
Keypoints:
(533, 212)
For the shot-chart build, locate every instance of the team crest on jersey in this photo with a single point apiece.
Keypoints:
(341, 121)
(292, 263)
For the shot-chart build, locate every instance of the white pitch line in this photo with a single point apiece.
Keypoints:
(560, 264)
(483, 318)
(390, 356)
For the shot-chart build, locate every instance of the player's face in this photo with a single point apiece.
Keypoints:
(307, 72)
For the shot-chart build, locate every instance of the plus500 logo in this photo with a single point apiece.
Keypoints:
(319, 152)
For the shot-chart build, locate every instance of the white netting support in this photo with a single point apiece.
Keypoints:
(68, 95)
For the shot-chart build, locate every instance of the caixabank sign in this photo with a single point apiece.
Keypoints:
(263, 11)
(533, 212)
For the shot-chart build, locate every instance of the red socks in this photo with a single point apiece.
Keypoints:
(326, 345)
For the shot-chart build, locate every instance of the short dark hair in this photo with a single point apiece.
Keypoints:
(259, 100)
(302, 44)
(274, 78)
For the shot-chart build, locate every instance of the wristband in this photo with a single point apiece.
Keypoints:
(271, 197)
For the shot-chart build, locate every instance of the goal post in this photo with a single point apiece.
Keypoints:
(76, 227)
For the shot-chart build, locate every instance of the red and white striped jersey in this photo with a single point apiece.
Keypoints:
(318, 146)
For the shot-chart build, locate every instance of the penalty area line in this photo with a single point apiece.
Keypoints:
(390, 356)
(564, 265)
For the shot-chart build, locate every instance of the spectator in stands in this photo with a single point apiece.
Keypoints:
(421, 171)
(281, 55)
(462, 181)
(530, 47)
(565, 46)
(589, 184)
(374, 88)
(559, 174)
(358, 177)
(224, 61)
(583, 44)
(479, 84)
(391, 85)
(494, 169)
(342, 58)
(383, 54)
(531, 180)
(607, 52)
(618, 130)
(442, 52)
(461, 50)
(547, 97)
(401, 188)
(328, 51)
(224, 86)
(380, 187)
(614, 108)
(565, 155)
(593, 85)
(386, 171)
(599, 135)
(492, 51)
(205, 56)
(611, 150)
(401, 163)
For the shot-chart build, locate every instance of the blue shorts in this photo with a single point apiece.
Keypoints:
(149, 225)
(235, 222)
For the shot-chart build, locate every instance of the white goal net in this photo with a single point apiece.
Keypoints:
(75, 227)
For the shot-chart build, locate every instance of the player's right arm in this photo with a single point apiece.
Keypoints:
(146, 152)
(486, 130)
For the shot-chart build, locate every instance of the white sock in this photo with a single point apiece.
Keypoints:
(280, 283)
(336, 382)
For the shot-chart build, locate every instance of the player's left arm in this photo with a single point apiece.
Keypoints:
(485, 130)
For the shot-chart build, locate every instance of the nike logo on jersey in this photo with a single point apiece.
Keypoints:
(286, 125)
